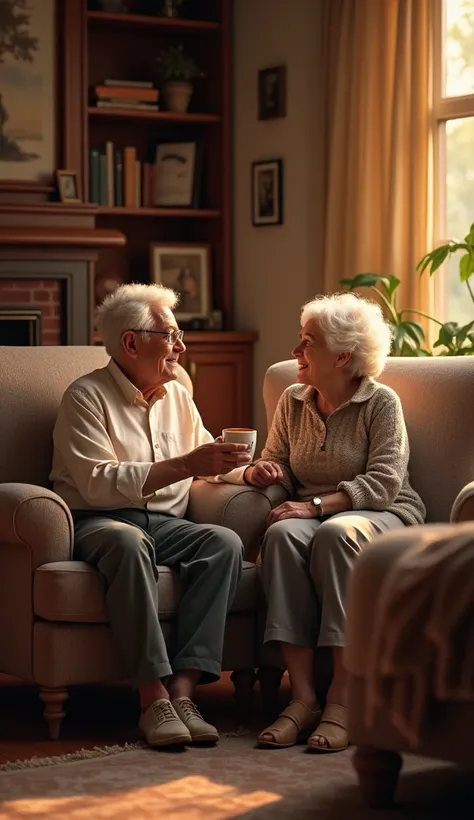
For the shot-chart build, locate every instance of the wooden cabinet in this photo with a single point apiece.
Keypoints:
(220, 367)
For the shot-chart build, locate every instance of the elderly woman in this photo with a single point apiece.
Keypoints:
(338, 444)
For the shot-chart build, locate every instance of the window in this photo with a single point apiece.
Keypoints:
(454, 141)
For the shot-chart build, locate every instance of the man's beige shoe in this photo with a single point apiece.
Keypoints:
(200, 731)
(161, 725)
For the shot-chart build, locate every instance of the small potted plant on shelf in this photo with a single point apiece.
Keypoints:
(176, 70)
(165, 8)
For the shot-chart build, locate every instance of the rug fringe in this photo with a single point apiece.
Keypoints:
(83, 754)
(97, 751)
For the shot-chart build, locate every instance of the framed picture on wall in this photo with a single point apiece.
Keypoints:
(272, 93)
(186, 269)
(267, 193)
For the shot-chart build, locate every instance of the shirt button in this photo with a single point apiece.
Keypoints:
(157, 446)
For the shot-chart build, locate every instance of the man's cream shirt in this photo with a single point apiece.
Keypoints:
(107, 437)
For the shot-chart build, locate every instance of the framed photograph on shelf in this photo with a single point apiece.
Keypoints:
(177, 175)
(267, 192)
(186, 269)
(272, 93)
(68, 186)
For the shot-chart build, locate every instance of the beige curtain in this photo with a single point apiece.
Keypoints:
(376, 90)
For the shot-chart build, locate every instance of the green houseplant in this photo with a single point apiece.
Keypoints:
(408, 335)
(176, 69)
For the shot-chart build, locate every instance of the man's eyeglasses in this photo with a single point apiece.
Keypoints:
(172, 335)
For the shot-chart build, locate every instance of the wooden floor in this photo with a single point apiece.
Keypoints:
(97, 716)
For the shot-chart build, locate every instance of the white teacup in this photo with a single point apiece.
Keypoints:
(241, 435)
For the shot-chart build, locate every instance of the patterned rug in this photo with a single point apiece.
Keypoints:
(231, 780)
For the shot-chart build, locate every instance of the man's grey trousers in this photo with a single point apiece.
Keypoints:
(126, 546)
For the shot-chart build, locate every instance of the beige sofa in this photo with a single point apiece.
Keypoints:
(53, 623)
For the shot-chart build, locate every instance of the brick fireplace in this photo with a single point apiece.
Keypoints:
(47, 273)
(22, 299)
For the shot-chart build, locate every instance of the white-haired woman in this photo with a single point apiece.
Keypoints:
(338, 444)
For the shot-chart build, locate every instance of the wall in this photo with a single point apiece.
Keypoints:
(276, 267)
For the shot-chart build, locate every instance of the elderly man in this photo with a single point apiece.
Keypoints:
(126, 449)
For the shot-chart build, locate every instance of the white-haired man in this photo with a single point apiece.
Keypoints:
(126, 449)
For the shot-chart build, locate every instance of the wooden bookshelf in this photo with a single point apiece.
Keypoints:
(169, 213)
(163, 116)
(124, 46)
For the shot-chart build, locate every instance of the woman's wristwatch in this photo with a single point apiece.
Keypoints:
(318, 503)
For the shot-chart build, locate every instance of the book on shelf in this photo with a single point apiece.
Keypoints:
(128, 105)
(117, 178)
(135, 94)
(129, 96)
(129, 83)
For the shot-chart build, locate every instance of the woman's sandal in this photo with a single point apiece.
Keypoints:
(333, 729)
(295, 724)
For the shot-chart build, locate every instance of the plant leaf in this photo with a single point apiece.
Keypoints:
(466, 266)
(424, 262)
(366, 280)
(439, 255)
(469, 239)
(414, 331)
(446, 334)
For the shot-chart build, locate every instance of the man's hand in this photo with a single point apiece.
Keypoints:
(216, 457)
(263, 474)
(292, 509)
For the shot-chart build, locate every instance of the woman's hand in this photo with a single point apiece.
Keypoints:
(263, 474)
(292, 509)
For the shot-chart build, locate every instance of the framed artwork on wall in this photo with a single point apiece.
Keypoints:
(28, 39)
(186, 269)
(272, 93)
(267, 193)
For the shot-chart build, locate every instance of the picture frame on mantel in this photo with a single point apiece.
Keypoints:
(41, 101)
(68, 187)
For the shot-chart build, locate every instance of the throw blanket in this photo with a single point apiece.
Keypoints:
(422, 645)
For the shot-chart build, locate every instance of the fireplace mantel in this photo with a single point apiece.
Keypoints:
(64, 237)
(47, 258)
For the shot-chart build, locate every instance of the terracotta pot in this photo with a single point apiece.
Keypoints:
(177, 96)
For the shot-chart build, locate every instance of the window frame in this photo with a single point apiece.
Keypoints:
(444, 109)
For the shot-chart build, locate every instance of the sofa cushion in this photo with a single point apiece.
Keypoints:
(73, 591)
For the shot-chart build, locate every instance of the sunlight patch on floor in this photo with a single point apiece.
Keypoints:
(189, 798)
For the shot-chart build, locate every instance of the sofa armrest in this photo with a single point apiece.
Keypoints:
(36, 518)
(242, 508)
(463, 506)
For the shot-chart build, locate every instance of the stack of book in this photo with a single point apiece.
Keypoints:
(127, 94)
(118, 179)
